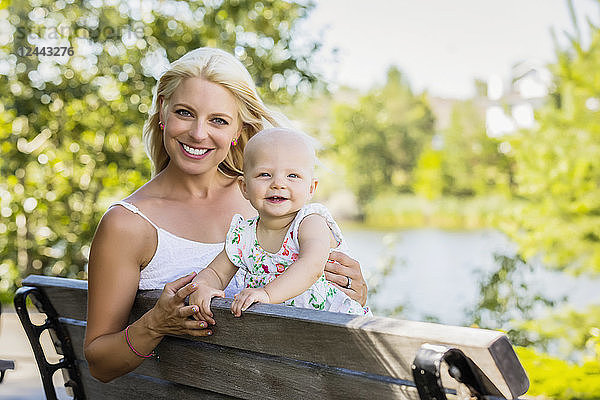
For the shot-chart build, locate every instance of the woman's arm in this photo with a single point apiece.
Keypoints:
(122, 243)
(315, 239)
(339, 268)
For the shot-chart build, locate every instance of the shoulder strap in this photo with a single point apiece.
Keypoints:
(134, 210)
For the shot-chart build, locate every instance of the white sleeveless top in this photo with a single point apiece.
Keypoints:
(176, 256)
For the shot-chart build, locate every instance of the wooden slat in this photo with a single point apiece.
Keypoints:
(251, 375)
(375, 345)
(68, 296)
(380, 346)
(134, 386)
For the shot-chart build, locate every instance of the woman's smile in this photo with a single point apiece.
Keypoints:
(194, 152)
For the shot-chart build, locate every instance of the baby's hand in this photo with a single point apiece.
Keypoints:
(246, 298)
(201, 297)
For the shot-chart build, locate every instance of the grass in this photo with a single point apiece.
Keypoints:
(453, 213)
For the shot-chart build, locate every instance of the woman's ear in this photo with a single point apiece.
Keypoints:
(160, 109)
(242, 182)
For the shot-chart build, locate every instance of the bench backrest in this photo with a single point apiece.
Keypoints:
(277, 352)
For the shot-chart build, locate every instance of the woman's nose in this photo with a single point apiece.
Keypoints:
(199, 130)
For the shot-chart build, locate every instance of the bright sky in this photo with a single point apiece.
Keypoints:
(441, 45)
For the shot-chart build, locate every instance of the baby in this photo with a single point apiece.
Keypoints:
(284, 249)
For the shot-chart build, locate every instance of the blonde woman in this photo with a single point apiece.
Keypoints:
(205, 108)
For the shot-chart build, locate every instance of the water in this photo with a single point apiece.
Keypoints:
(438, 271)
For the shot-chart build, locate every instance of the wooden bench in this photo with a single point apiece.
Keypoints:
(279, 352)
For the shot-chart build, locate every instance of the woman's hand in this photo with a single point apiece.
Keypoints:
(246, 298)
(339, 268)
(171, 316)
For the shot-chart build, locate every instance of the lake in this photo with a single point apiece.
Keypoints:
(437, 272)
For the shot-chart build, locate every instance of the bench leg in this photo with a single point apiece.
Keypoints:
(426, 373)
(58, 333)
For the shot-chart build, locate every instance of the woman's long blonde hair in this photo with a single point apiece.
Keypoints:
(217, 66)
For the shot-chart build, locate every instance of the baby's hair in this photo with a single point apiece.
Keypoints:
(311, 143)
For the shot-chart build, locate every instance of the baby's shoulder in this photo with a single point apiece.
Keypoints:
(313, 209)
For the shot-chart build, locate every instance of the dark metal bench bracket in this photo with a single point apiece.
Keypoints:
(5, 364)
(59, 336)
(426, 373)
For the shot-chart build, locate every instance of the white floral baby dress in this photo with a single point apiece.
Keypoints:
(261, 267)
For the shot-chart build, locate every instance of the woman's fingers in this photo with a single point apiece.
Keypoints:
(186, 290)
(188, 311)
(181, 282)
(339, 280)
(199, 332)
(191, 324)
(344, 266)
(344, 260)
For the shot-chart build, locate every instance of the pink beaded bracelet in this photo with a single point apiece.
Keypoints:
(137, 353)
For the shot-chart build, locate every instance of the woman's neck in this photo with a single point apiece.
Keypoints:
(180, 185)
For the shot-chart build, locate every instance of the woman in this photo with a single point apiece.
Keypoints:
(205, 108)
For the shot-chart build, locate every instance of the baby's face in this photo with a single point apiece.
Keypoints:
(278, 178)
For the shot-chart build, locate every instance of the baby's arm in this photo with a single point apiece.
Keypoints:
(210, 283)
(315, 239)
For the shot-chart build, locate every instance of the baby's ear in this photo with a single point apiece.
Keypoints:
(242, 182)
(313, 186)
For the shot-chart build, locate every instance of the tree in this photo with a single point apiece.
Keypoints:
(70, 125)
(472, 161)
(379, 140)
(558, 167)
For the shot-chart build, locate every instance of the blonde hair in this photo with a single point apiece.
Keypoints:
(217, 66)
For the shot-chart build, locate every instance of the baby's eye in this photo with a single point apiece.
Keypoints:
(264, 174)
(293, 176)
(183, 112)
(220, 121)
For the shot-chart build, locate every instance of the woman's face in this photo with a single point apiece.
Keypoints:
(201, 121)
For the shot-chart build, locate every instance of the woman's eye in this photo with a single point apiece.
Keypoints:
(183, 112)
(220, 121)
(264, 174)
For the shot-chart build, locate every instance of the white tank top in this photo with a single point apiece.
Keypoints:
(176, 256)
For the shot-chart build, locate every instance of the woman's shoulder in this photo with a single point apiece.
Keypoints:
(125, 216)
(119, 219)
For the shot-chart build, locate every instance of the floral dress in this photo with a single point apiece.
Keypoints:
(261, 267)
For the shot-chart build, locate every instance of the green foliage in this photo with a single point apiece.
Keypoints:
(379, 140)
(558, 168)
(386, 264)
(472, 162)
(428, 179)
(554, 378)
(402, 211)
(506, 300)
(70, 126)
(573, 333)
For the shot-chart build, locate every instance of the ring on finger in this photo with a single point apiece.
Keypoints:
(349, 284)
